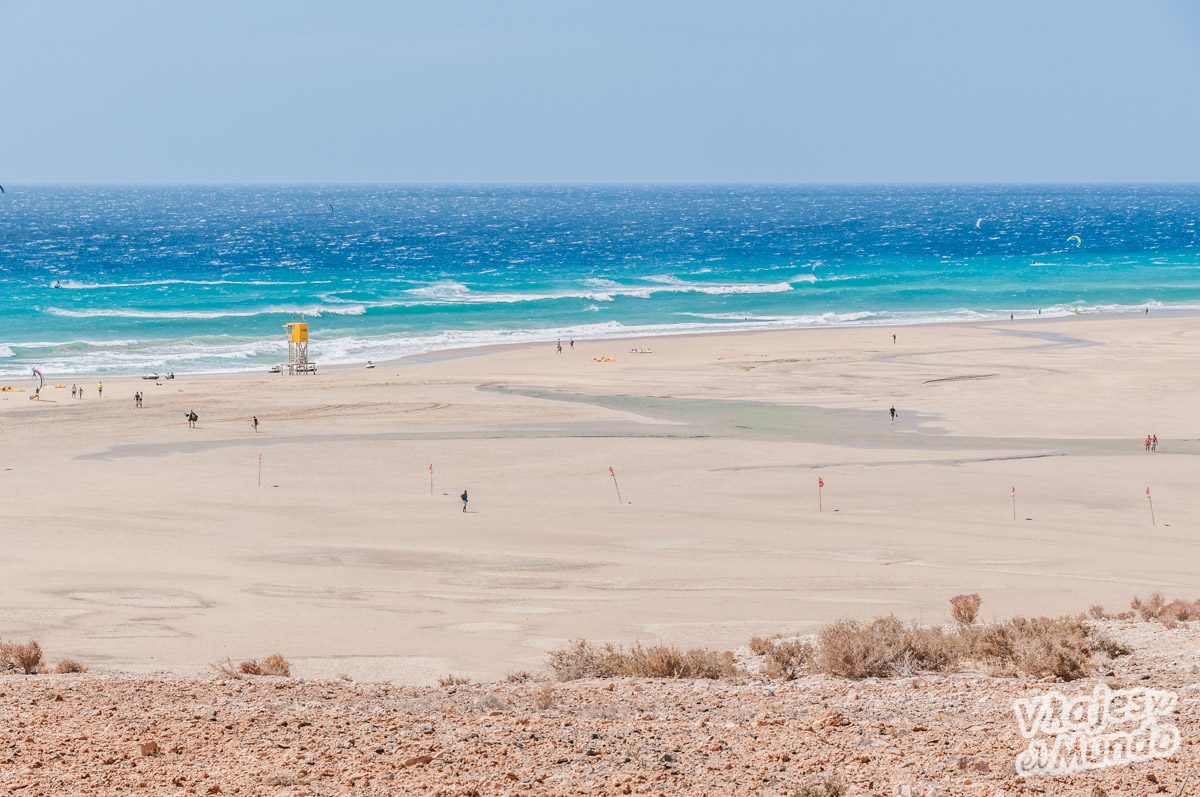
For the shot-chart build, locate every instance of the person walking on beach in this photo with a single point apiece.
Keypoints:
(893, 411)
(464, 500)
(74, 390)
(1147, 442)
(255, 424)
(893, 338)
(1153, 442)
(192, 417)
(560, 346)
(572, 344)
(100, 389)
(137, 400)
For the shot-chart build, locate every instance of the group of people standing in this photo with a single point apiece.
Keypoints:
(1151, 442)
(77, 392)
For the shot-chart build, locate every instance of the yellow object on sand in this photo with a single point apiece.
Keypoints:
(61, 386)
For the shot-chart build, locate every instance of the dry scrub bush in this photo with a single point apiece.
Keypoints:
(829, 787)
(519, 677)
(883, 648)
(276, 665)
(1148, 610)
(23, 658)
(271, 665)
(787, 660)
(492, 702)
(66, 666)
(965, 608)
(544, 697)
(1169, 614)
(583, 660)
(453, 680)
(227, 669)
(1039, 647)
(759, 646)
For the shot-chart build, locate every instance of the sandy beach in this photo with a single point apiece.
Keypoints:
(137, 544)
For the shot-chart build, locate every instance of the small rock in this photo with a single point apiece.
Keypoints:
(149, 748)
(418, 760)
(829, 718)
(973, 764)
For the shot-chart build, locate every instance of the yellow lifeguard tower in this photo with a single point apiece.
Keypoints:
(297, 340)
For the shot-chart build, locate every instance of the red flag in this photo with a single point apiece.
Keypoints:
(612, 472)
(1014, 491)
(1147, 492)
(431, 467)
(820, 482)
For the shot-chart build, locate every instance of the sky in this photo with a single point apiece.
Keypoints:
(550, 91)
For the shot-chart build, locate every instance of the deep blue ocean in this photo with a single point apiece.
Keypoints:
(124, 280)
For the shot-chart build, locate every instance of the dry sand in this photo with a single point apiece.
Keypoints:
(134, 543)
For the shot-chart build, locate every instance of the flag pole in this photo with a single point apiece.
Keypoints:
(613, 473)
(820, 502)
(1150, 501)
(431, 478)
(260, 470)
(1014, 501)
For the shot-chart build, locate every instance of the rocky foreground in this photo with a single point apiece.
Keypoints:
(813, 737)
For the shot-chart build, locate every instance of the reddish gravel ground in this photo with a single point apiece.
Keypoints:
(955, 735)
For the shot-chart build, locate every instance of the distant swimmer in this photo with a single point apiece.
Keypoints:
(893, 411)
(464, 500)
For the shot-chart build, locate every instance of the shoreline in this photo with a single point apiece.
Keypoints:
(453, 352)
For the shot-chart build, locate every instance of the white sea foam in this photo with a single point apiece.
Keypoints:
(310, 310)
(595, 290)
(5, 351)
(72, 285)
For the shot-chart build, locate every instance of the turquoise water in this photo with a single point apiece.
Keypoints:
(125, 280)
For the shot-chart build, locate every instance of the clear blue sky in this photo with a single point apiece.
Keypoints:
(612, 90)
